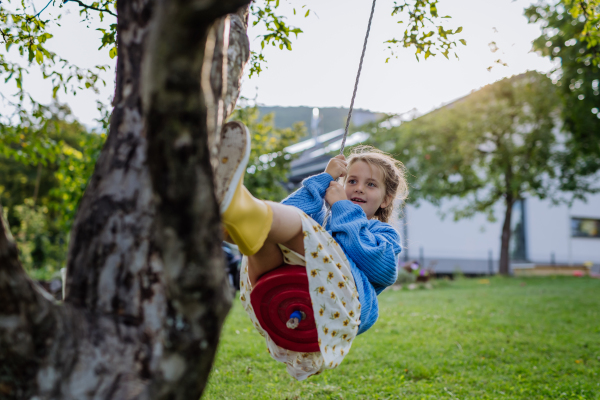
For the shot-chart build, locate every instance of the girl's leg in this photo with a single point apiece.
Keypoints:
(286, 229)
(254, 225)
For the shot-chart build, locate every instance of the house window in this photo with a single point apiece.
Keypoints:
(585, 227)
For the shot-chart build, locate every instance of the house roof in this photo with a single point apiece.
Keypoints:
(314, 153)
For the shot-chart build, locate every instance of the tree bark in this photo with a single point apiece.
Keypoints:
(222, 71)
(146, 293)
(28, 321)
(504, 268)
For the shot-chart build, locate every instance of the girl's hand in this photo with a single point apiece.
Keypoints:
(335, 192)
(337, 166)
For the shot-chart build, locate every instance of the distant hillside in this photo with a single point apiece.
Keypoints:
(331, 118)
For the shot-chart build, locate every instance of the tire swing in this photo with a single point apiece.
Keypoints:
(281, 297)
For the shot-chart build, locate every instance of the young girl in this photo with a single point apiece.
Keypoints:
(350, 251)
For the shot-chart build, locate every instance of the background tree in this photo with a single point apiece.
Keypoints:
(41, 194)
(146, 289)
(269, 163)
(40, 188)
(571, 36)
(498, 144)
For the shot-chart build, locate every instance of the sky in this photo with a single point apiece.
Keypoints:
(321, 69)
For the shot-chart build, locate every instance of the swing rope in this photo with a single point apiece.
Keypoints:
(362, 56)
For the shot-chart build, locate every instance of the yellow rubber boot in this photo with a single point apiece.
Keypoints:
(247, 220)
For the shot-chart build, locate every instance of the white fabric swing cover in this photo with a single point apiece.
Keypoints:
(334, 299)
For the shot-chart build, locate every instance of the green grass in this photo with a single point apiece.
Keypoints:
(519, 338)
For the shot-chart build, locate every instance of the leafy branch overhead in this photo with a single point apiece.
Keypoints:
(571, 37)
(26, 31)
(423, 30)
(584, 18)
(587, 12)
(278, 31)
(24, 35)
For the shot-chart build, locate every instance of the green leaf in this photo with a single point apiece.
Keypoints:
(113, 52)
(459, 30)
(39, 57)
(463, 41)
(433, 10)
(307, 12)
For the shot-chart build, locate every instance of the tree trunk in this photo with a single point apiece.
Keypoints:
(38, 178)
(506, 232)
(146, 291)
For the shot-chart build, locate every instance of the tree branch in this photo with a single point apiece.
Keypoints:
(15, 285)
(188, 224)
(82, 4)
(226, 53)
(27, 320)
(42, 10)
(216, 8)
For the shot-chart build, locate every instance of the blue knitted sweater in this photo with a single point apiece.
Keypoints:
(371, 246)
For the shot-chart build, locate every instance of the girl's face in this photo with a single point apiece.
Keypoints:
(364, 186)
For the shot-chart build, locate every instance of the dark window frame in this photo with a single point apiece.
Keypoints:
(576, 231)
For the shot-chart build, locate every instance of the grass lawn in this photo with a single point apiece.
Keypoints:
(518, 338)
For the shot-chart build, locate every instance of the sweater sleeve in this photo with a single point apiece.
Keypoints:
(309, 198)
(372, 245)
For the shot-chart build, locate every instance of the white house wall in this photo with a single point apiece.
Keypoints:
(447, 244)
(549, 231)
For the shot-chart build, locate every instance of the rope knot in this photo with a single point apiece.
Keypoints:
(295, 319)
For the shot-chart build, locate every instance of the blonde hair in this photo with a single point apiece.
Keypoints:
(394, 176)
